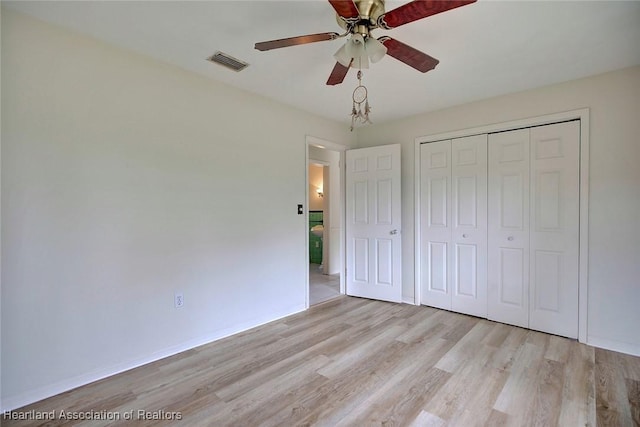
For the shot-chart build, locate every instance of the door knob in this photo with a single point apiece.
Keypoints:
(393, 232)
(510, 238)
(464, 236)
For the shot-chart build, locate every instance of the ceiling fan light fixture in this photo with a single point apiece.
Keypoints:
(375, 49)
(361, 51)
(342, 56)
(355, 46)
(355, 52)
(361, 62)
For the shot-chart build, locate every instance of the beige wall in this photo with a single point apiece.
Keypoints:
(125, 180)
(614, 197)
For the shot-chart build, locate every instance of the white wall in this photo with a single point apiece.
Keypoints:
(124, 180)
(614, 258)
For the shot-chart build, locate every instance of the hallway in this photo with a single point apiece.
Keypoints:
(322, 287)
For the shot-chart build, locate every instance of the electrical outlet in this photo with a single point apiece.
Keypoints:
(178, 300)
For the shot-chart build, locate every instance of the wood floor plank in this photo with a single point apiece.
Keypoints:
(423, 325)
(630, 366)
(466, 382)
(558, 349)
(477, 408)
(406, 391)
(388, 366)
(633, 393)
(425, 419)
(257, 403)
(505, 355)
(498, 334)
(343, 394)
(337, 345)
(357, 362)
(515, 397)
(545, 410)
(497, 419)
(463, 350)
(612, 402)
(365, 313)
(343, 361)
(578, 405)
(398, 400)
(461, 325)
(539, 339)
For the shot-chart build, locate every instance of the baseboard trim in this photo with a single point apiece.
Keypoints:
(613, 345)
(11, 403)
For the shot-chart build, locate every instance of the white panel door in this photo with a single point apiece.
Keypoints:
(555, 208)
(373, 223)
(508, 221)
(468, 248)
(435, 224)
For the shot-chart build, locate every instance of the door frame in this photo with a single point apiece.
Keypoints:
(331, 146)
(583, 258)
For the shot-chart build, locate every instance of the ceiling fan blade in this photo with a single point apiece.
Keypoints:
(338, 74)
(410, 56)
(417, 9)
(345, 8)
(293, 41)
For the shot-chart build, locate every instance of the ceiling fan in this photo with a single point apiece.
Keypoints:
(358, 18)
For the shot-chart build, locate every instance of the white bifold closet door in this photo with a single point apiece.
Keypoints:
(499, 218)
(555, 217)
(454, 224)
(509, 227)
(533, 228)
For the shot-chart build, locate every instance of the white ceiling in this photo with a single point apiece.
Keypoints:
(485, 49)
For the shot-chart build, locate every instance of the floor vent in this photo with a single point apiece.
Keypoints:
(228, 61)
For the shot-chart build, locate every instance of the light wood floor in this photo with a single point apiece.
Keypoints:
(357, 362)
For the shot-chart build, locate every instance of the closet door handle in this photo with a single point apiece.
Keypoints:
(464, 236)
(392, 232)
(510, 238)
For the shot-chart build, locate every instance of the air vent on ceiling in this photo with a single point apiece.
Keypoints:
(228, 61)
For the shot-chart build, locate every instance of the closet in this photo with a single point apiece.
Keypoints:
(499, 226)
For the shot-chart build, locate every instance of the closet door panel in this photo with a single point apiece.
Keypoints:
(508, 227)
(555, 208)
(435, 224)
(468, 251)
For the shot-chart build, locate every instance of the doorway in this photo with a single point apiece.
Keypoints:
(324, 221)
